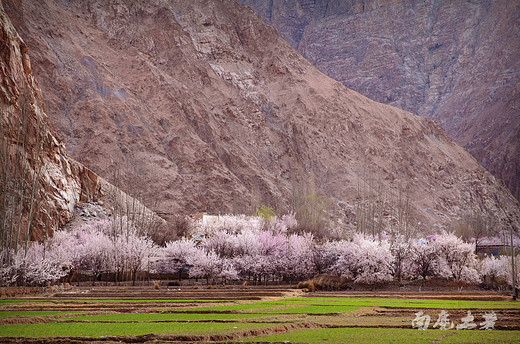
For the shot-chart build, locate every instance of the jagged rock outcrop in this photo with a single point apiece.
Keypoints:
(456, 62)
(209, 109)
(40, 185)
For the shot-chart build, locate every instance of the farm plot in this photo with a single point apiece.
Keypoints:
(256, 314)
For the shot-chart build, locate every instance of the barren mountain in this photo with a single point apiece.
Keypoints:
(40, 185)
(456, 62)
(211, 110)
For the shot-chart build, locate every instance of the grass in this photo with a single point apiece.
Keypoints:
(350, 319)
(322, 301)
(6, 314)
(314, 309)
(96, 329)
(398, 336)
(333, 305)
(165, 317)
(235, 307)
(110, 300)
(409, 303)
(151, 300)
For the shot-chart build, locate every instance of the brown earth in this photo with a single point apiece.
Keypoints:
(457, 62)
(201, 106)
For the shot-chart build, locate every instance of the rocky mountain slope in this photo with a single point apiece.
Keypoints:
(201, 106)
(40, 185)
(457, 62)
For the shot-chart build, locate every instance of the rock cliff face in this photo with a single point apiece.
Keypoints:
(39, 184)
(31, 156)
(211, 110)
(457, 62)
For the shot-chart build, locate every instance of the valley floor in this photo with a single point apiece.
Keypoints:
(142, 314)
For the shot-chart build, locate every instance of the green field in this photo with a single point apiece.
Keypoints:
(302, 318)
(96, 329)
(151, 317)
(398, 336)
(32, 313)
(331, 305)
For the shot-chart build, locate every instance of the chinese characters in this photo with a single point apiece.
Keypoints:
(422, 321)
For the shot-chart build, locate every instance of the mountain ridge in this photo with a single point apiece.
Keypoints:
(454, 62)
(209, 109)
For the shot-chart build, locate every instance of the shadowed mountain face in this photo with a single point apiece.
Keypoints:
(201, 106)
(456, 62)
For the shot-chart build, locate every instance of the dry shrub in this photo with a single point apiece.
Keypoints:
(177, 227)
(328, 282)
(309, 285)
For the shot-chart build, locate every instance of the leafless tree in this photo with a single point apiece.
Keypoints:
(474, 226)
(380, 208)
(310, 208)
(22, 138)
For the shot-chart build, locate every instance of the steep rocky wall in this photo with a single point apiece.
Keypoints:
(213, 111)
(457, 62)
(40, 185)
(26, 136)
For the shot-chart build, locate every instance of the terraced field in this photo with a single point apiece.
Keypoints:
(254, 314)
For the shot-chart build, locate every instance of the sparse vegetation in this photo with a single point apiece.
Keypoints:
(310, 209)
(265, 212)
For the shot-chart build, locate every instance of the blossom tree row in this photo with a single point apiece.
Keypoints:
(90, 248)
(251, 249)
